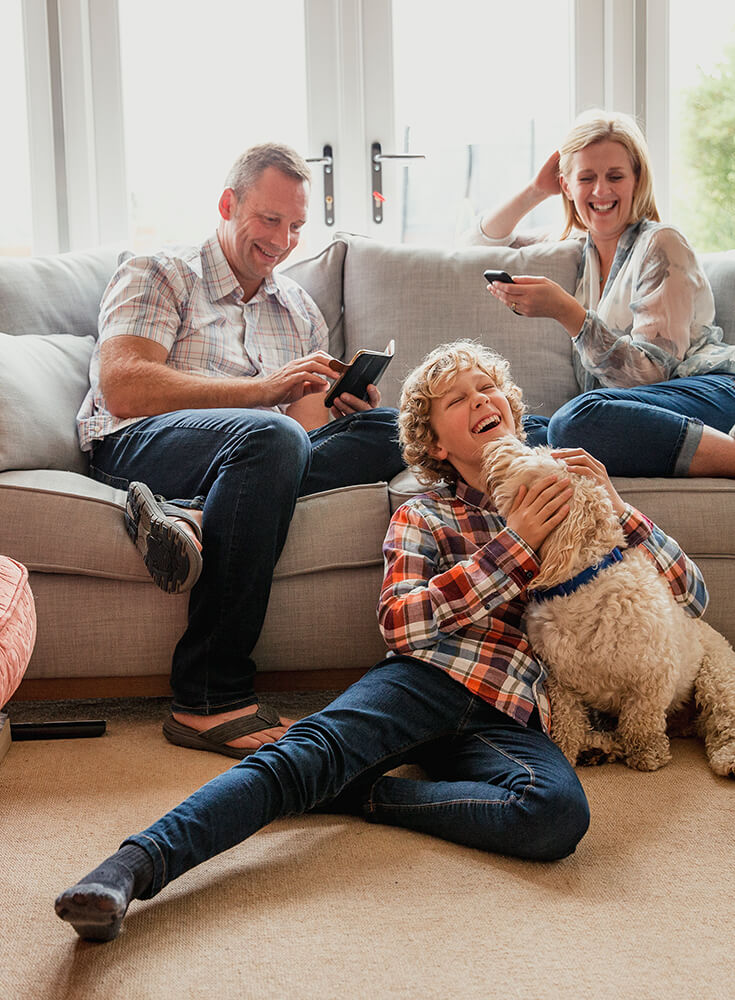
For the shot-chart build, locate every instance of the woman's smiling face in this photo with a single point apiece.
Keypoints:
(602, 183)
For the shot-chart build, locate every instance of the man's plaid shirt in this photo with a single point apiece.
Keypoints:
(455, 590)
(189, 301)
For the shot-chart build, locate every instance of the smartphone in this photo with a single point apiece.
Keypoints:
(491, 276)
(365, 369)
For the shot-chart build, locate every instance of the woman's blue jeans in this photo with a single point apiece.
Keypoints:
(493, 784)
(647, 430)
(245, 469)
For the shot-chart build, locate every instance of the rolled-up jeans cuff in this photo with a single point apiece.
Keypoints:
(692, 437)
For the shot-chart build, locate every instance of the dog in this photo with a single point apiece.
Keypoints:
(619, 642)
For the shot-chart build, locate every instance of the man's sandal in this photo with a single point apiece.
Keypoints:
(217, 738)
(171, 555)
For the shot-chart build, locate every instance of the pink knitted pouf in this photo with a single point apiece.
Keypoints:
(17, 625)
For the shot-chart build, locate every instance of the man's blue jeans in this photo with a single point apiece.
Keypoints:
(493, 784)
(245, 469)
(647, 430)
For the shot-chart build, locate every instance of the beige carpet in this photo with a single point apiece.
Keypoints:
(332, 907)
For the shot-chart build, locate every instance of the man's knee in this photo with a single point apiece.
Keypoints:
(276, 440)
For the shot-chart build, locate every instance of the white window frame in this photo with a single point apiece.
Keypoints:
(77, 154)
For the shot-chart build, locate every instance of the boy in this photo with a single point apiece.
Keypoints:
(460, 692)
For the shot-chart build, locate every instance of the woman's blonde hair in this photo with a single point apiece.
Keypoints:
(598, 126)
(432, 379)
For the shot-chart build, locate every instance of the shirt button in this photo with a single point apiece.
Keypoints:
(529, 574)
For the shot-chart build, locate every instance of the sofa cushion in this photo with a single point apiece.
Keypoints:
(423, 297)
(720, 270)
(321, 276)
(337, 529)
(43, 380)
(17, 625)
(55, 294)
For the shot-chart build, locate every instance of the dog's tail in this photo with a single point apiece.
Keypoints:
(714, 690)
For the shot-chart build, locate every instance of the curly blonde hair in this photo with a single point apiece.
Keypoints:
(432, 379)
(595, 126)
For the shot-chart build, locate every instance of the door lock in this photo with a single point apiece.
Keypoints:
(328, 160)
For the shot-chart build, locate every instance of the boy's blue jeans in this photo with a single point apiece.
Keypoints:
(493, 784)
(646, 430)
(245, 469)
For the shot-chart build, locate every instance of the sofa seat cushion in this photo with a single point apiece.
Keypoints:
(335, 529)
(698, 513)
(17, 625)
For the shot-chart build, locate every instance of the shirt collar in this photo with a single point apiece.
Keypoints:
(626, 242)
(221, 281)
(468, 494)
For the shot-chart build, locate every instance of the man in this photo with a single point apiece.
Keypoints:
(207, 384)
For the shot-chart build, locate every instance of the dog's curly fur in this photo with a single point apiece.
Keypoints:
(620, 643)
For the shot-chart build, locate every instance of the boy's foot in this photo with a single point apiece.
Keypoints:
(97, 904)
(168, 537)
(95, 911)
(235, 734)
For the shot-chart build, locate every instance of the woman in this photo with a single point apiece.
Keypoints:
(647, 355)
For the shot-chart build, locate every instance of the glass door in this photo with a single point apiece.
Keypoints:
(483, 90)
(200, 84)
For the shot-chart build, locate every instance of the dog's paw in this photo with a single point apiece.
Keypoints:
(594, 756)
(722, 760)
(647, 760)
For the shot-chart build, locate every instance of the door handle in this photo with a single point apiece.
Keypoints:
(328, 160)
(376, 175)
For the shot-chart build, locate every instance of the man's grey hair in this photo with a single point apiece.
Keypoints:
(248, 167)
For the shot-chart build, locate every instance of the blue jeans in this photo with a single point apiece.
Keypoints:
(647, 430)
(245, 469)
(493, 784)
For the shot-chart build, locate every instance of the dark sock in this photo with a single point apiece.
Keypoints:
(97, 904)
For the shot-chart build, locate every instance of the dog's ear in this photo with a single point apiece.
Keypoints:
(497, 461)
(588, 532)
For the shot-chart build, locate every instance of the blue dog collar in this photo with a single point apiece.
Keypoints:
(569, 586)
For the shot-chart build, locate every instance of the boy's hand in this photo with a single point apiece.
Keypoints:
(538, 510)
(580, 461)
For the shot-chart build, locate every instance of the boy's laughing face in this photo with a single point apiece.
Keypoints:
(470, 413)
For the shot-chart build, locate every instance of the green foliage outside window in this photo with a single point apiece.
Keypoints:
(705, 205)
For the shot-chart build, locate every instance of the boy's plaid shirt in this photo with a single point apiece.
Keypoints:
(455, 590)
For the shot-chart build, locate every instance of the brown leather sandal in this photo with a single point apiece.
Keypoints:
(171, 555)
(217, 738)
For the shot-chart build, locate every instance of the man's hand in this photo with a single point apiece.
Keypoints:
(538, 510)
(300, 377)
(346, 403)
(580, 461)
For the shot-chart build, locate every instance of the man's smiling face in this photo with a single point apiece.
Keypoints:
(260, 230)
(470, 413)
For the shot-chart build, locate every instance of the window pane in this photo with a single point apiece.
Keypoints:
(485, 98)
(15, 190)
(202, 82)
(702, 123)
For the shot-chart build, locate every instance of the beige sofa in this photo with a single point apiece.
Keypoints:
(99, 615)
